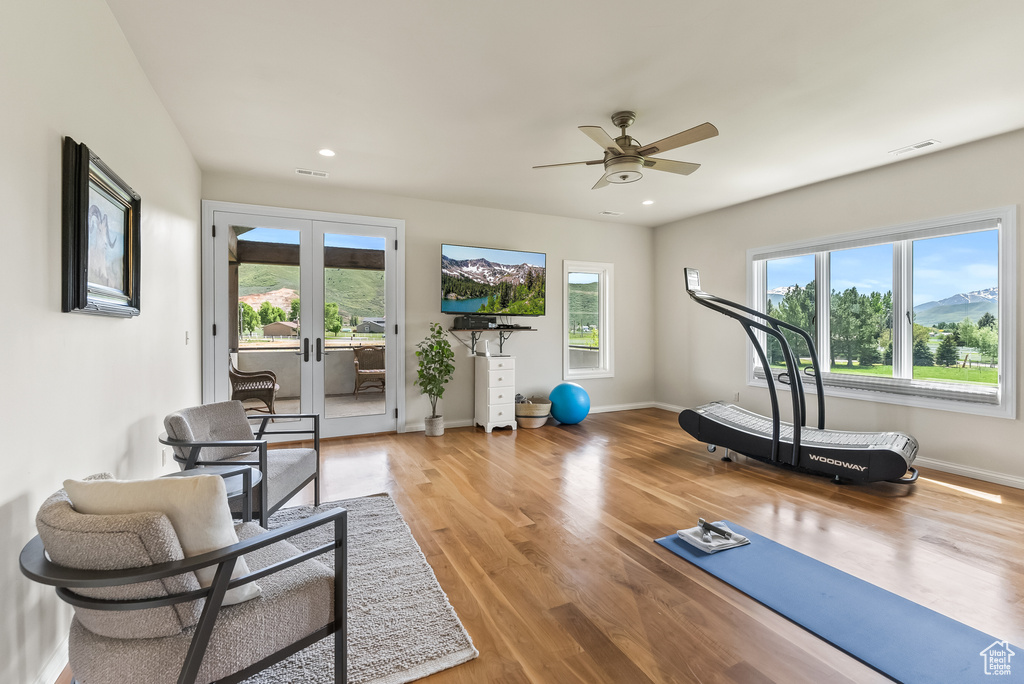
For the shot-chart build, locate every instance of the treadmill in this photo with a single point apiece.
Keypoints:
(844, 456)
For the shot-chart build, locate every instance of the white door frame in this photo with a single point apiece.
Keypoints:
(285, 215)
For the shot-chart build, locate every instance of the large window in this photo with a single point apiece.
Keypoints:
(587, 346)
(921, 314)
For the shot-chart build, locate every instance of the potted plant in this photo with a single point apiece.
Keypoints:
(435, 370)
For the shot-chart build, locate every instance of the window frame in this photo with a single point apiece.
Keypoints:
(605, 272)
(902, 388)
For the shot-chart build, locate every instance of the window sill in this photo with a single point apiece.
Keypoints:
(587, 375)
(981, 401)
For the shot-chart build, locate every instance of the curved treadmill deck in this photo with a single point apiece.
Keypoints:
(850, 455)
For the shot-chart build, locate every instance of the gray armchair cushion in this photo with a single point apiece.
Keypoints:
(287, 469)
(225, 420)
(114, 542)
(294, 603)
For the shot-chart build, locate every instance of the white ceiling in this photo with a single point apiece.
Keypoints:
(456, 100)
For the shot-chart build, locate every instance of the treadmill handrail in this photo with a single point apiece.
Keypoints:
(702, 297)
(798, 406)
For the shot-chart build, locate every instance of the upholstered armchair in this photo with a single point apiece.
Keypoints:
(221, 434)
(142, 613)
(369, 367)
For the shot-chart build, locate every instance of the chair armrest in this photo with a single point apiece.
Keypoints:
(254, 374)
(265, 420)
(37, 567)
(170, 441)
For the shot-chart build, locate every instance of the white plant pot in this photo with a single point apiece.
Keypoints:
(435, 426)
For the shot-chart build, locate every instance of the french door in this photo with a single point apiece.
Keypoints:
(302, 315)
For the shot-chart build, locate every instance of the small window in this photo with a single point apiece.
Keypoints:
(588, 320)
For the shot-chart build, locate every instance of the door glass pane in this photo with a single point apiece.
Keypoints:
(584, 320)
(263, 282)
(956, 308)
(790, 298)
(354, 325)
(860, 321)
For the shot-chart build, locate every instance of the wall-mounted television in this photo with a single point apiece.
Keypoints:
(494, 282)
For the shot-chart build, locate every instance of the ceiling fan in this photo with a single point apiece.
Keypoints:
(625, 158)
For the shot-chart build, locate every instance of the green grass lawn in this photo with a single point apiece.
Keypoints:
(583, 340)
(981, 375)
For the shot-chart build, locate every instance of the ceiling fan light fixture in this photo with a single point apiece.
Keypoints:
(624, 169)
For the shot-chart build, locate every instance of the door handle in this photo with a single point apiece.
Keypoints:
(319, 349)
(305, 349)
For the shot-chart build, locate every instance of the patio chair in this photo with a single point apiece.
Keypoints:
(142, 615)
(369, 362)
(260, 385)
(220, 434)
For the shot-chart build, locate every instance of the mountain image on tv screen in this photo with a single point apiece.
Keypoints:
(479, 280)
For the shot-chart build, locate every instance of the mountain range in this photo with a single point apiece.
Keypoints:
(954, 309)
(488, 272)
(972, 305)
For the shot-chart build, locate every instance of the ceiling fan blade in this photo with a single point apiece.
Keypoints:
(597, 134)
(682, 168)
(692, 135)
(593, 161)
(602, 181)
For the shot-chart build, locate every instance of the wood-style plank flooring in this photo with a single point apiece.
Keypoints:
(542, 540)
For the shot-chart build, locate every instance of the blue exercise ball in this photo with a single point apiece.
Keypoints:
(570, 403)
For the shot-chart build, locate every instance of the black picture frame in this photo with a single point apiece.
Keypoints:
(101, 259)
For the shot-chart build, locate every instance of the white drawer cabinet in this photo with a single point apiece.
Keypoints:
(495, 392)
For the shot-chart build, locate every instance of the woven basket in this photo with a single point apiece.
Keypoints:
(531, 421)
(539, 407)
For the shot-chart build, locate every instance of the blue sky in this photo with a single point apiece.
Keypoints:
(583, 278)
(943, 267)
(497, 256)
(291, 237)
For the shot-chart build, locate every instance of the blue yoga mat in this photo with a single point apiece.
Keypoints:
(897, 637)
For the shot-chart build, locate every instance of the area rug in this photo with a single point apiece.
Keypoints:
(400, 624)
(899, 638)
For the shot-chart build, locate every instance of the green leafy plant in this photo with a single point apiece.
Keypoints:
(436, 367)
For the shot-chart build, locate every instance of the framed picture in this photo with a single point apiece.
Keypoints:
(101, 257)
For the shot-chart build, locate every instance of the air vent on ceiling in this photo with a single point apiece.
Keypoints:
(610, 213)
(311, 172)
(914, 148)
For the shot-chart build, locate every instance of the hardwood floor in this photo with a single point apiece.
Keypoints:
(542, 540)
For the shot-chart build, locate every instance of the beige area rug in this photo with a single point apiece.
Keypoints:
(401, 626)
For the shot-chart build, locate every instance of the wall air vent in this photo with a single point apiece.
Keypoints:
(914, 148)
(310, 172)
(610, 213)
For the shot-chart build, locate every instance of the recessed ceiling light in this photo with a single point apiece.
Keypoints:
(326, 152)
(648, 202)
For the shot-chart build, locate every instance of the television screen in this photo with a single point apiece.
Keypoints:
(498, 282)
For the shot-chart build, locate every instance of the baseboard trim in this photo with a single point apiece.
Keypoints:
(667, 407)
(622, 407)
(54, 667)
(420, 427)
(972, 472)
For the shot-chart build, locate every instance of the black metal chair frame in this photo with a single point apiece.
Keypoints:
(37, 567)
(259, 444)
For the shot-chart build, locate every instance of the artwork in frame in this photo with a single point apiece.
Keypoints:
(101, 257)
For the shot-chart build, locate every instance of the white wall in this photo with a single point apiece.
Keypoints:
(539, 354)
(82, 394)
(700, 354)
